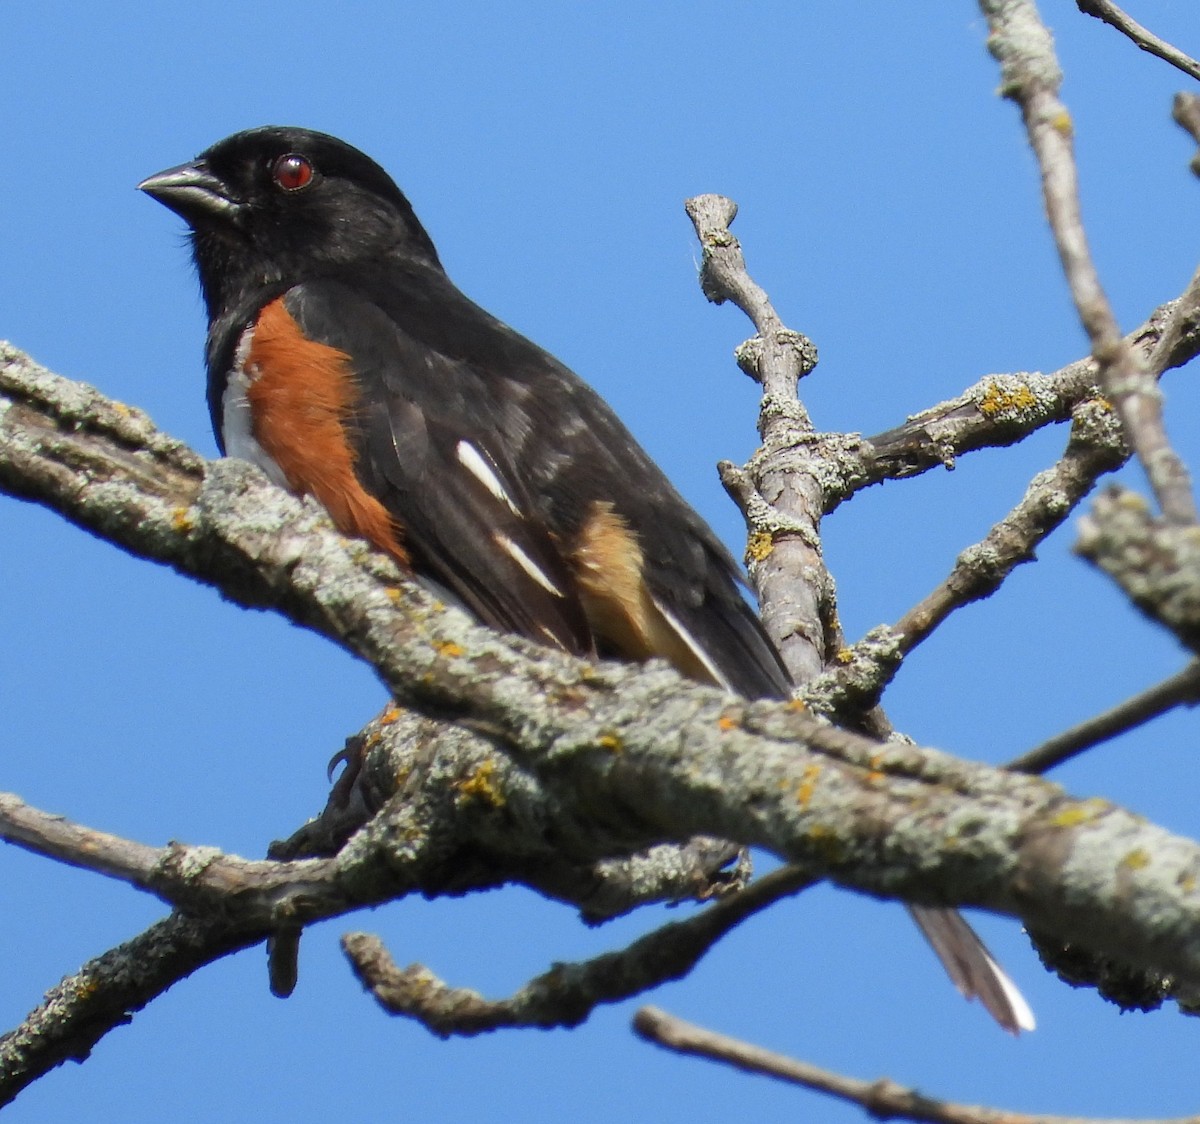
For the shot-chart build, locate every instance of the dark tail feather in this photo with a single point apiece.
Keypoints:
(971, 967)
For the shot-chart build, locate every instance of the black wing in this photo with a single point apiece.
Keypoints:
(437, 370)
(467, 526)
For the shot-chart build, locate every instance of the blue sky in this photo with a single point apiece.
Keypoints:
(889, 205)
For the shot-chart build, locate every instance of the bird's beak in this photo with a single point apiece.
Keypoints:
(192, 191)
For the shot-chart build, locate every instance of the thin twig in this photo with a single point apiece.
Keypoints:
(1030, 75)
(883, 1099)
(568, 993)
(1110, 14)
(1181, 689)
(997, 410)
(1094, 449)
(865, 668)
(1180, 334)
(177, 873)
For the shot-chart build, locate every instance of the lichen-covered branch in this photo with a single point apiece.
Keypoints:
(106, 992)
(1156, 563)
(465, 817)
(865, 668)
(997, 410)
(1030, 76)
(568, 993)
(630, 756)
(779, 492)
(816, 472)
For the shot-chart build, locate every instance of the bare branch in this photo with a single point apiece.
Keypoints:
(863, 670)
(883, 1099)
(1094, 449)
(568, 993)
(1181, 689)
(999, 410)
(1110, 14)
(1030, 76)
(779, 492)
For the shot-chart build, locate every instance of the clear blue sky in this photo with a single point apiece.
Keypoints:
(891, 208)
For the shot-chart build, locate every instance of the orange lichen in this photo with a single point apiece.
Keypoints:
(390, 714)
(759, 546)
(481, 785)
(807, 785)
(998, 400)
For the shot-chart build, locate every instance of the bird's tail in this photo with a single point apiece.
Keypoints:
(972, 968)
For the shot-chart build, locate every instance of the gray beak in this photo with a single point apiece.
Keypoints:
(192, 191)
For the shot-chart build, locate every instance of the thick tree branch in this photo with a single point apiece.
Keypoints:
(1030, 76)
(632, 756)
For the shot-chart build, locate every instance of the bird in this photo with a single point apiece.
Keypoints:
(344, 362)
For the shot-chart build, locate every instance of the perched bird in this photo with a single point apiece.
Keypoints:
(344, 362)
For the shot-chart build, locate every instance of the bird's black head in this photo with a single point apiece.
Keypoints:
(285, 203)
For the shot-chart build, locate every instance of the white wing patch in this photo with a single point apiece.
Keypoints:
(526, 563)
(477, 465)
(692, 646)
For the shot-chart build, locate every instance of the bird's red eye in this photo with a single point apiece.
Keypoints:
(292, 172)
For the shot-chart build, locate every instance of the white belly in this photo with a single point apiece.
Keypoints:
(237, 427)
